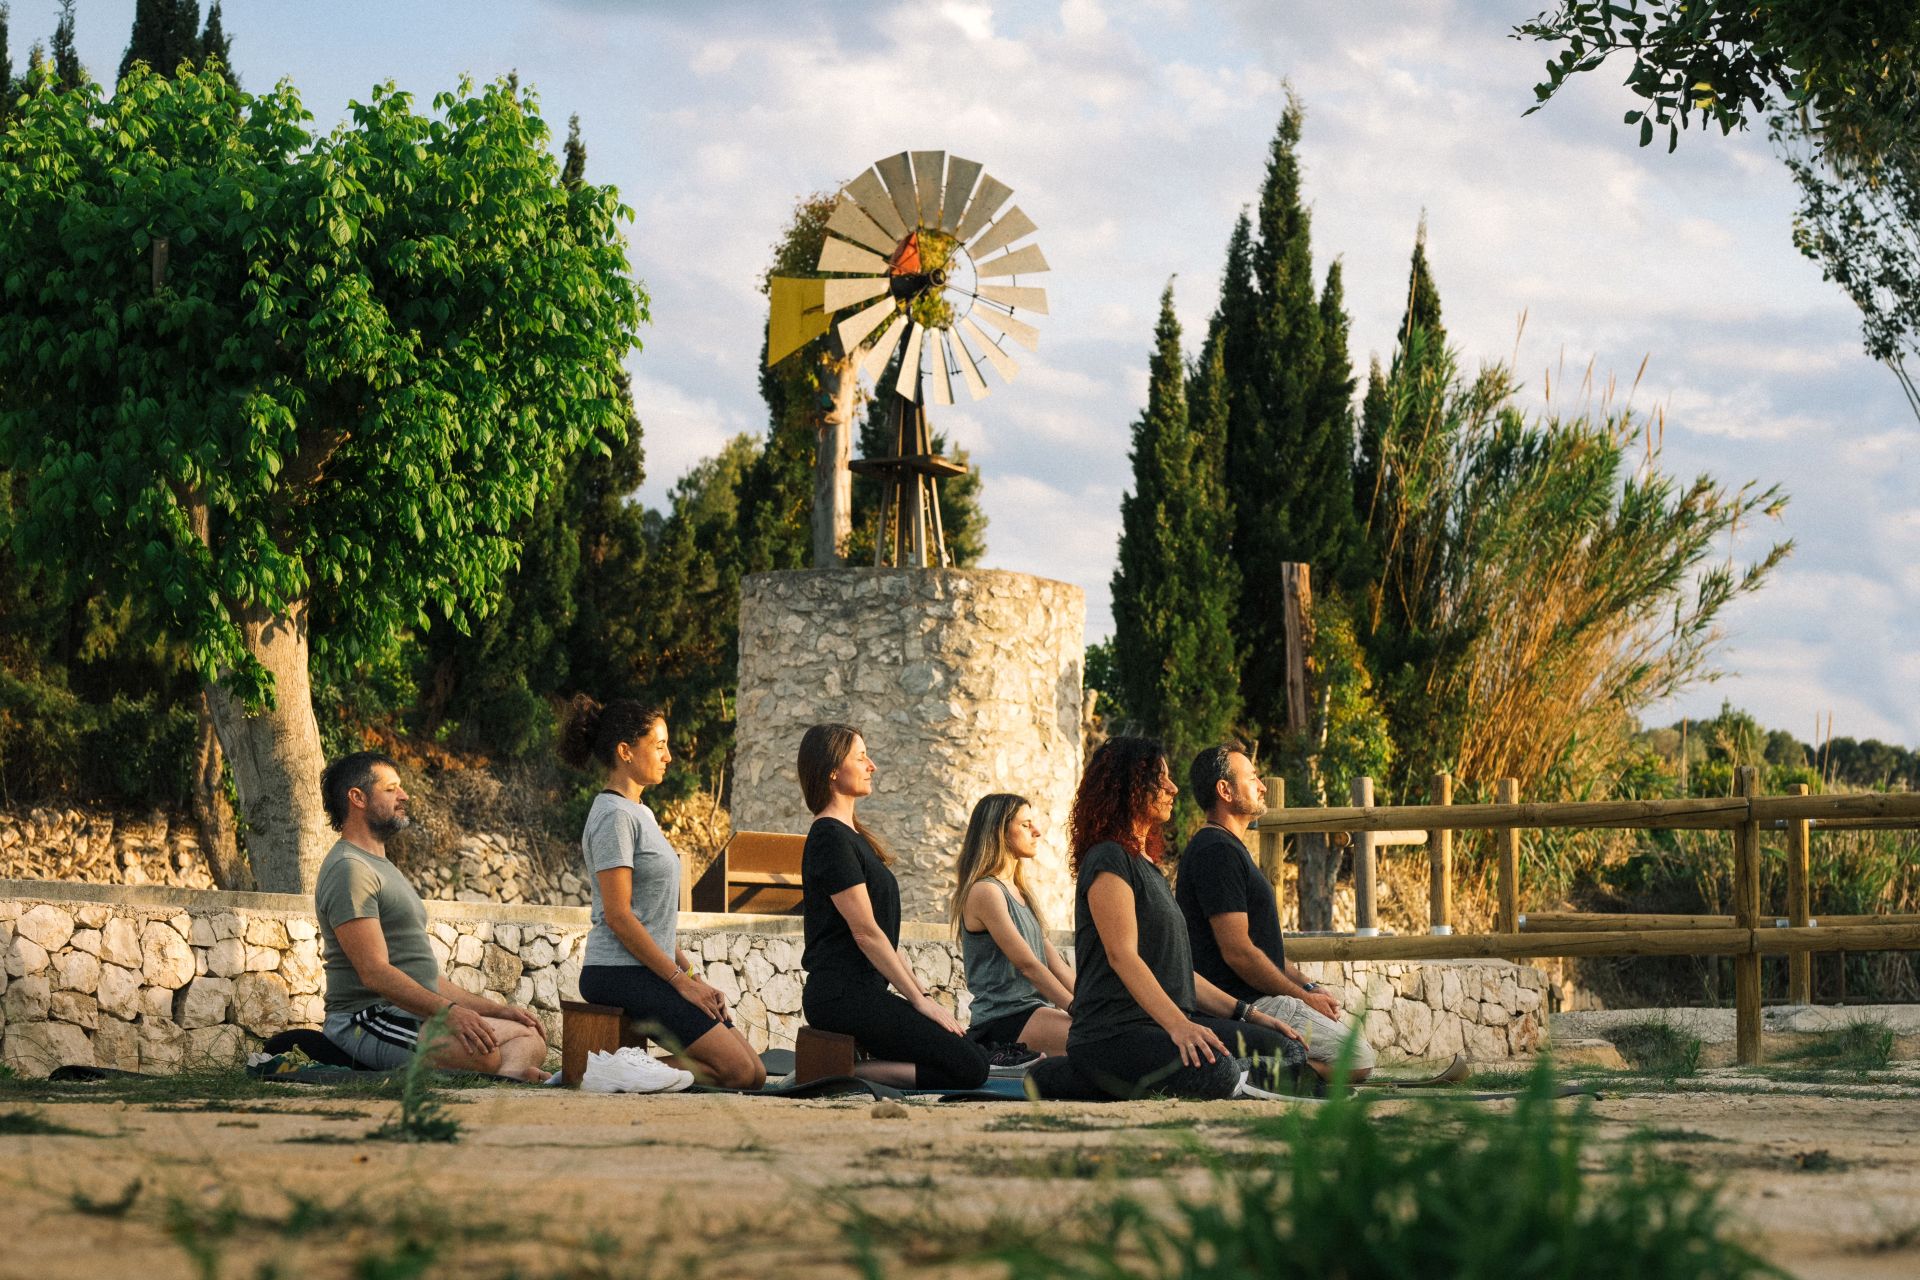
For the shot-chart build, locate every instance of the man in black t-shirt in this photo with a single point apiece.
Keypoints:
(1233, 918)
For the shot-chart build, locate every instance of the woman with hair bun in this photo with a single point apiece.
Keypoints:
(851, 904)
(1143, 1021)
(632, 960)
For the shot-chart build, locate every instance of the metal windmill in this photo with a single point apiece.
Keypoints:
(919, 256)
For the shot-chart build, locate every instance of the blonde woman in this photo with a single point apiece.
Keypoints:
(1022, 988)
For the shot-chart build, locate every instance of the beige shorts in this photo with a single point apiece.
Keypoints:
(1324, 1036)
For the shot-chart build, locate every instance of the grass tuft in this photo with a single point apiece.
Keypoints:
(1860, 1046)
(1659, 1047)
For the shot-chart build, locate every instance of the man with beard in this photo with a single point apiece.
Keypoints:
(382, 980)
(1233, 918)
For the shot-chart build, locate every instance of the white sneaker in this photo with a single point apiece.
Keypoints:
(632, 1070)
(1248, 1089)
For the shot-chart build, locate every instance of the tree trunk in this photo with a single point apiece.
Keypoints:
(276, 757)
(218, 836)
(832, 482)
(1319, 867)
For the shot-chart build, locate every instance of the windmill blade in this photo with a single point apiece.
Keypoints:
(897, 173)
(874, 362)
(1024, 334)
(986, 202)
(908, 383)
(1003, 364)
(838, 255)
(795, 318)
(960, 179)
(1004, 232)
(1018, 263)
(877, 204)
(844, 293)
(928, 169)
(940, 383)
(854, 329)
(1034, 300)
(847, 220)
(969, 372)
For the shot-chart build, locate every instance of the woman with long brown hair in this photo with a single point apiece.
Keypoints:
(851, 907)
(632, 959)
(1020, 984)
(1143, 1020)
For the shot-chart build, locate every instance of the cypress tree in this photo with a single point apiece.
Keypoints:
(215, 44)
(165, 34)
(573, 167)
(1420, 326)
(66, 59)
(1289, 444)
(6, 67)
(1173, 589)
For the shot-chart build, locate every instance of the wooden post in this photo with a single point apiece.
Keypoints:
(1365, 925)
(1799, 904)
(1440, 864)
(1746, 915)
(1506, 842)
(1273, 857)
(1296, 595)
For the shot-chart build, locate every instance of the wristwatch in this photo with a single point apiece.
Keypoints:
(1309, 986)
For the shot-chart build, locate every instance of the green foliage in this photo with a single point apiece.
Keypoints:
(1102, 675)
(297, 369)
(1851, 66)
(1289, 434)
(1351, 734)
(1174, 586)
(1461, 1192)
(6, 66)
(1863, 1045)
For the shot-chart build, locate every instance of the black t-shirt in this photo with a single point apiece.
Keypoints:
(1102, 1005)
(1217, 877)
(836, 858)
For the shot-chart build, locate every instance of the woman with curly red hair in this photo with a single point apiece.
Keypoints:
(1143, 1020)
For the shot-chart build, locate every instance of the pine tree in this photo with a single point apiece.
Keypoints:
(66, 59)
(573, 166)
(1173, 590)
(215, 44)
(1289, 445)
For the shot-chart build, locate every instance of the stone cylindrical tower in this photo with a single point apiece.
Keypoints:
(963, 681)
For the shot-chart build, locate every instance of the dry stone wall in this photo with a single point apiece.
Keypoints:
(100, 847)
(965, 682)
(159, 980)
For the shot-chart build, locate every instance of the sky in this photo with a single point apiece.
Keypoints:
(1133, 133)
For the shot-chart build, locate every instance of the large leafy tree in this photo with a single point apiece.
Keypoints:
(295, 386)
(1838, 84)
(1289, 442)
(1174, 588)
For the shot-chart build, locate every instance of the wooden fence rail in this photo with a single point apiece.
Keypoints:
(1748, 934)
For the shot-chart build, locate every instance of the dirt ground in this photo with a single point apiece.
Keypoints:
(551, 1183)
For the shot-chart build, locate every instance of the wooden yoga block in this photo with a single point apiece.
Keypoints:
(818, 1054)
(588, 1028)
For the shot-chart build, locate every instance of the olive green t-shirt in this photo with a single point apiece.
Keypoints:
(352, 885)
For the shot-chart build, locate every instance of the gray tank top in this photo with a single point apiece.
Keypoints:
(998, 988)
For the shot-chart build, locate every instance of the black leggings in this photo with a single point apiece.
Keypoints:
(1135, 1064)
(889, 1028)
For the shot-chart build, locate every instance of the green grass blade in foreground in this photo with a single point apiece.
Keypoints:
(1464, 1192)
(422, 1118)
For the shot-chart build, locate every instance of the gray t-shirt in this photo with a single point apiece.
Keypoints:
(621, 833)
(352, 885)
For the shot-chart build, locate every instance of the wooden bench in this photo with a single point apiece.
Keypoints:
(757, 873)
(592, 1028)
(818, 1054)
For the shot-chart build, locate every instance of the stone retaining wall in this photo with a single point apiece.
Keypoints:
(157, 980)
(101, 847)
